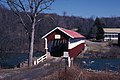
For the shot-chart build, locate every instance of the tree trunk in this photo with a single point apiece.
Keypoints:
(32, 43)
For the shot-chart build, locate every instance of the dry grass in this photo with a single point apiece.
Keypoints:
(97, 47)
(72, 73)
(75, 73)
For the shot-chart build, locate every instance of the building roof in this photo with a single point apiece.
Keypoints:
(70, 33)
(111, 30)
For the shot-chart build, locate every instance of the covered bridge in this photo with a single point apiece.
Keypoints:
(63, 42)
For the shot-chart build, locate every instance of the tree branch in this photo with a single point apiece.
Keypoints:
(22, 6)
(46, 5)
(37, 6)
(30, 5)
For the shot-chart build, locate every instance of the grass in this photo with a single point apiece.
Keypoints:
(75, 73)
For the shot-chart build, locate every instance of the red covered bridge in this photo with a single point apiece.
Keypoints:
(62, 42)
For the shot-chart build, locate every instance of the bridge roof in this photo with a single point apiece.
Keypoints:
(70, 33)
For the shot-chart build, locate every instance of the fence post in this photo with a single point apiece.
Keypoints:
(40, 59)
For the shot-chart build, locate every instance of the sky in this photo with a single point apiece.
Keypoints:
(86, 8)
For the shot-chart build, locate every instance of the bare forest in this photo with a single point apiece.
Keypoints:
(13, 38)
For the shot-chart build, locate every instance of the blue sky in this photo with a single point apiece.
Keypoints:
(86, 8)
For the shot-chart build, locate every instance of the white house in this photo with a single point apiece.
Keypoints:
(111, 34)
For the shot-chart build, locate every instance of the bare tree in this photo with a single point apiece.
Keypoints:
(31, 8)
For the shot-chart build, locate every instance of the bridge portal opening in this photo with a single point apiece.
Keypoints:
(57, 47)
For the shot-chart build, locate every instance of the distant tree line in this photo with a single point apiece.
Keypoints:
(13, 37)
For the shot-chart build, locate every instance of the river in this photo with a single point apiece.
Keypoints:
(99, 64)
(12, 60)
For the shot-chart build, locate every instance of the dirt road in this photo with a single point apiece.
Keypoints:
(33, 73)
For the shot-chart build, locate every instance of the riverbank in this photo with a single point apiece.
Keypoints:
(100, 50)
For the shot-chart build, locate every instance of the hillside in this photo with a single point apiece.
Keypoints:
(13, 37)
